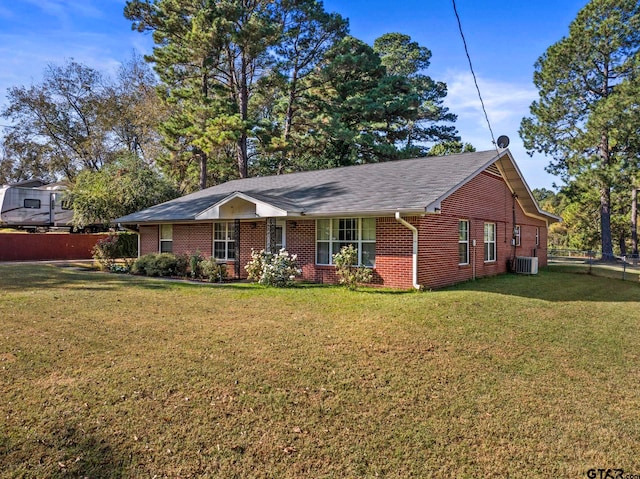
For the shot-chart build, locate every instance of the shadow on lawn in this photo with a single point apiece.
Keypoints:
(556, 286)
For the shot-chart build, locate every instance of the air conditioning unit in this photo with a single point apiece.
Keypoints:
(526, 265)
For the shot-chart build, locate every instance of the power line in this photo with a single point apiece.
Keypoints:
(473, 73)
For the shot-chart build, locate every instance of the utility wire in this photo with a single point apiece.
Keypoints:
(475, 80)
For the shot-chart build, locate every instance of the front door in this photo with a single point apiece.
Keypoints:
(276, 239)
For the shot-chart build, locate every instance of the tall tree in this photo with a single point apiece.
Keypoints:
(406, 58)
(209, 56)
(573, 77)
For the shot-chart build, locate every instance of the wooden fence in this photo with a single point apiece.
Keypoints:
(47, 246)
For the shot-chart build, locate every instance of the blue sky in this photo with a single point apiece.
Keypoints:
(505, 37)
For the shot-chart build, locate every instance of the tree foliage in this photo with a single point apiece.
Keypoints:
(577, 78)
(124, 186)
(79, 119)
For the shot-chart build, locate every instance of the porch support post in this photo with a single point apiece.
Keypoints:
(237, 245)
(271, 235)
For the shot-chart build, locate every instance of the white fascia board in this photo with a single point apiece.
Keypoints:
(263, 210)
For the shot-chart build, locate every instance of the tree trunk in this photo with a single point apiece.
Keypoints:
(605, 224)
(634, 221)
(202, 162)
(244, 114)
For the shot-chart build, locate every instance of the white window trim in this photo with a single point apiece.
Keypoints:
(226, 241)
(517, 233)
(494, 243)
(537, 236)
(164, 240)
(357, 244)
(466, 241)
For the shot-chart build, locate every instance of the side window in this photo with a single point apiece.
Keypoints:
(166, 238)
(31, 203)
(463, 242)
(489, 242)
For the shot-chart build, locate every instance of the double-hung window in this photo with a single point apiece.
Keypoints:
(333, 234)
(166, 238)
(224, 243)
(463, 242)
(489, 242)
(516, 234)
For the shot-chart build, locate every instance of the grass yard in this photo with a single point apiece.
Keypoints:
(117, 376)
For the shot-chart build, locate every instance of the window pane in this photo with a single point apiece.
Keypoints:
(463, 249)
(463, 230)
(219, 250)
(166, 232)
(335, 229)
(322, 256)
(487, 256)
(231, 254)
(369, 254)
(29, 203)
(322, 229)
(231, 231)
(368, 229)
(166, 246)
(219, 231)
(348, 229)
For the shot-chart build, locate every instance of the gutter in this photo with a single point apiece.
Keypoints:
(414, 230)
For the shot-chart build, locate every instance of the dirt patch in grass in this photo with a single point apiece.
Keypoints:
(118, 376)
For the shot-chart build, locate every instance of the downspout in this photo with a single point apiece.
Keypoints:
(414, 230)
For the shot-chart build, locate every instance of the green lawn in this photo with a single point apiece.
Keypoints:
(515, 376)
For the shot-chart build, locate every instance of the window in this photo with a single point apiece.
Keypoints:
(516, 235)
(333, 234)
(537, 236)
(224, 243)
(31, 203)
(463, 242)
(166, 238)
(489, 242)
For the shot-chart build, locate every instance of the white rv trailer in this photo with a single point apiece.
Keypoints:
(34, 204)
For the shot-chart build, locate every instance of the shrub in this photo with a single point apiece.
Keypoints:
(271, 269)
(194, 264)
(161, 264)
(123, 246)
(105, 252)
(347, 269)
(212, 271)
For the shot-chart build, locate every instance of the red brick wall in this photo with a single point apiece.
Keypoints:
(47, 246)
(485, 199)
(192, 238)
(149, 240)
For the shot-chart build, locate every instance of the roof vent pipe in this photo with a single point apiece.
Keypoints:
(414, 230)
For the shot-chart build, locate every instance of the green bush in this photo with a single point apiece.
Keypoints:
(347, 269)
(161, 264)
(194, 264)
(123, 246)
(212, 271)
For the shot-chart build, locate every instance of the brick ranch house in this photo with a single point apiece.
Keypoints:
(425, 222)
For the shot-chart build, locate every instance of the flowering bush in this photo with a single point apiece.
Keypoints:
(347, 269)
(279, 269)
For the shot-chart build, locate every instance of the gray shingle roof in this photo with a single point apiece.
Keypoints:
(408, 186)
